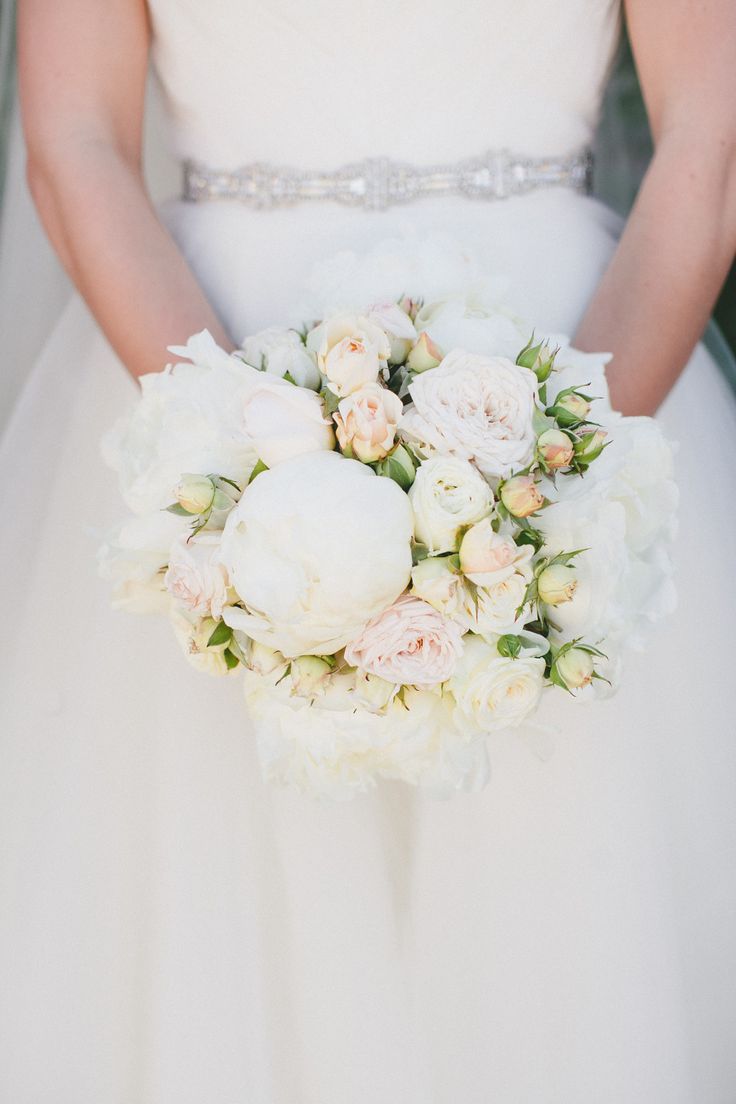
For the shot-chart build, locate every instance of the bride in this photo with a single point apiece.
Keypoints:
(171, 930)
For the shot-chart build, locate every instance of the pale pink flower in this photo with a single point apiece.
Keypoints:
(409, 643)
(195, 577)
(366, 421)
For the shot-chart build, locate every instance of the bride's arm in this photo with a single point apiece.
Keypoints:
(655, 299)
(82, 80)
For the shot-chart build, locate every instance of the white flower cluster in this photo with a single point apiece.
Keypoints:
(382, 521)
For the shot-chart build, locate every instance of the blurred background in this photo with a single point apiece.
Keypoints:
(622, 151)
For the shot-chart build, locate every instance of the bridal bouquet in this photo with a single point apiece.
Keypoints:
(406, 526)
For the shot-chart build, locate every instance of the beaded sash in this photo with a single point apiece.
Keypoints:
(377, 183)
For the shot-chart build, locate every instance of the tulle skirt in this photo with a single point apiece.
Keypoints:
(173, 932)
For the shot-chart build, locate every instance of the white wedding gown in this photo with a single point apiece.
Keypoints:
(174, 932)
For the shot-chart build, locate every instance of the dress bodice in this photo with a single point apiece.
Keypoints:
(320, 82)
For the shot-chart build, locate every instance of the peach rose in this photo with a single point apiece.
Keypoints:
(409, 643)
(366, 422)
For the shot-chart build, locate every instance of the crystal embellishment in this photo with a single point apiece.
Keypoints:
(378, 183)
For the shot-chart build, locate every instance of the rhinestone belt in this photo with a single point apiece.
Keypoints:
(377, 183)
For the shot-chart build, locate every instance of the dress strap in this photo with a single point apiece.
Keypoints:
(377, 183)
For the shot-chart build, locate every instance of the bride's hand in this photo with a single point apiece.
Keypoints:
(82, 69)
(657, 295)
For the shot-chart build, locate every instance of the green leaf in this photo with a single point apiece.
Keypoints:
(509, 646)
(397, 472)
(260, 467)
(178, 509)
(231, 660)
(331, 400)
(220, 635)
(419, 552)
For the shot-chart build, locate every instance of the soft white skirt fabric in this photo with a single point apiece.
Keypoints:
(172, 932)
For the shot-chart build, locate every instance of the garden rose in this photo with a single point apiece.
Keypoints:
(477, 408)
(366, 421)
(315, 548)
(410, 642)
(447, 494)
(195, 577)
(493, 692)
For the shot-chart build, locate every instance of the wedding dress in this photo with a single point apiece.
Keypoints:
(174, 932)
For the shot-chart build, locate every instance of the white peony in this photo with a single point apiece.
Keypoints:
(187, 420)
(195, 577)
(283, 420)
(477, 408)
(134, 559)
(447, 495)
(316, 548)
(493, 692)
(338, 752)
(280, 353)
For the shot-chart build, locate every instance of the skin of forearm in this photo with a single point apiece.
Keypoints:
(98, 216)
(655, 298)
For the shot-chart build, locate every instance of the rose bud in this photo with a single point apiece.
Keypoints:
(556, 584)
(424, 354)
(399, 466)
(372, 692)
(555, 449)
(521, 496)
(571, 408)
(590, 446)
(539, 358)
(260, 658)
(434, 580)
(410, 306)
(309, 675)
(195, 493)
(575, 668)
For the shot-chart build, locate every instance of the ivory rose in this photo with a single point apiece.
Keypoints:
(447, 494)
(195, 577)
(410, 643)
(477, 408)
(366, 422)
(493, 692)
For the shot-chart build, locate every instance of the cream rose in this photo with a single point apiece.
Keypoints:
(477, 408)
(487, 557)
(434, 580)
(193, 633)
(447, 494)
(493, 692)
(366, 422)
(351, 351)
(195, 577)
(284, 421)
(409, 643)
(493, 609)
